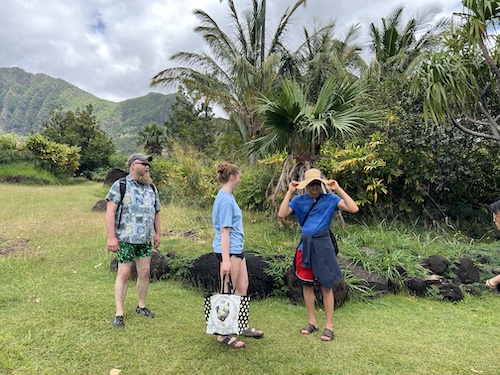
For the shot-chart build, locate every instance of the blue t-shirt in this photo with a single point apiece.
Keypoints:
(226, 213)
(321, 215)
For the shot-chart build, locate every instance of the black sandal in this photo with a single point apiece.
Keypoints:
(232, 343)
(252, 332)
(327, 333)
(310, 328)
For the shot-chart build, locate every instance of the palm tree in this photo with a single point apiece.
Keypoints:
(238, 67)
(395, 45)
(321, 55)
(461, 82)
(151, 138)
(298, 125)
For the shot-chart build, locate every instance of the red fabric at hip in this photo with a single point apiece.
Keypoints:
(305, 274)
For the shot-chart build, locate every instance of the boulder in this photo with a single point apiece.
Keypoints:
(437, 264)
(445, 288)
(159, 267)
(204, 273)
(467, 272)
(100, 206)
(416, 286)
(294, 293)
(376, 283)
(114, 175)
(450, 292)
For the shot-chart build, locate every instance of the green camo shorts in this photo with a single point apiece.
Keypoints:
(129, 251)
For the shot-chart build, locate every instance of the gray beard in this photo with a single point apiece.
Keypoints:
(144, 178)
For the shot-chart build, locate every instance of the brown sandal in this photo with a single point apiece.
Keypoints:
(328, 333)
(233, 343)
(252, 332)
(310, 328)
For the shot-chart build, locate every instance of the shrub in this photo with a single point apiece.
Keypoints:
(186, 177)
(55, 157)
(251, 193)
(10, 149)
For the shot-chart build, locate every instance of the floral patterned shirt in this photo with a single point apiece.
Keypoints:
(134, 219)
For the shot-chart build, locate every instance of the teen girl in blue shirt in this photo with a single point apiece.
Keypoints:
(228, 242)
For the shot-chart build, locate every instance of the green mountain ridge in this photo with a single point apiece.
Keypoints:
(26, 100)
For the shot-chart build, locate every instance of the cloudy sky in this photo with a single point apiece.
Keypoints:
(112, 48)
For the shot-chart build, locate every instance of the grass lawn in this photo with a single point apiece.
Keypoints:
(57, 305)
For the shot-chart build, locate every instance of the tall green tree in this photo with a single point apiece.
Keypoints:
(151, 138)
(299, 125)
(191, 124)
(461, 81)
(408, 168)
(240, 66)
(81, 128)
(322, 55)
(396, 44)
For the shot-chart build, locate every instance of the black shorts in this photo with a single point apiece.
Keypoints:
(241, 256)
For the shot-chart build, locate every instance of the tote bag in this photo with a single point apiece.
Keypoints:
(226, 313)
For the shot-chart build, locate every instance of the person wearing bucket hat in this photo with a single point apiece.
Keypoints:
(133, 227)
(311, 175)
(315, 261)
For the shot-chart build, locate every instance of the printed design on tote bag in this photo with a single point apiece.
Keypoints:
(226, 314)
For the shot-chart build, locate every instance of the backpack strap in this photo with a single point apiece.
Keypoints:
(153, 187)
(123, 188)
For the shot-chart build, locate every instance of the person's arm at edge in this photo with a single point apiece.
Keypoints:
(285, 209)
(224, 244)
(110, 226)
(346, 204)
(157, 226)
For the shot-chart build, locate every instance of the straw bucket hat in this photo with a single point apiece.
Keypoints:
(311, 175)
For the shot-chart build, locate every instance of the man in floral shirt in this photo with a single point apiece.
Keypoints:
(133, 227)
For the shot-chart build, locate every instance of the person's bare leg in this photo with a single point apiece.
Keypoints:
(328, 305)
(493, 282)
(143, 266)
(121, 285)
(308, 293)
(239, 286)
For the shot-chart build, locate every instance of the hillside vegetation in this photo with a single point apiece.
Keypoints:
(26, 100)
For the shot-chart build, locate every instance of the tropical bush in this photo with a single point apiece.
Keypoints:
(10, 150)
(187, 177)
(57, 158)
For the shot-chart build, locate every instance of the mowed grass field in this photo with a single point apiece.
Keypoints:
(57, 305)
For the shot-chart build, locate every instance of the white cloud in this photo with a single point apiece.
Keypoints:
(113, 48)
